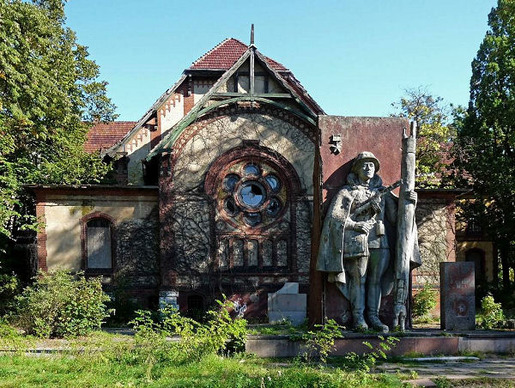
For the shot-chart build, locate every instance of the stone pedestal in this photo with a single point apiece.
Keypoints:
(457, 296)
(167, 298)
(288, 304)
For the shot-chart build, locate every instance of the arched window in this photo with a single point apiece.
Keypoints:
(98, 245)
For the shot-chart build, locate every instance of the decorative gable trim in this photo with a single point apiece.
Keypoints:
(120, 146)
(306, 113)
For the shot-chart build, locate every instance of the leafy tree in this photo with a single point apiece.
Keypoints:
(435, 134)
(48, 91)
(486, 135)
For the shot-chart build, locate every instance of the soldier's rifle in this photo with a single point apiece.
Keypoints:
(369, 203)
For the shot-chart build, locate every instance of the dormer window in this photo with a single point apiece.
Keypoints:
(242, 82)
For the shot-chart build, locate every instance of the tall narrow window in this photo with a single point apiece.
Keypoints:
(99, 245)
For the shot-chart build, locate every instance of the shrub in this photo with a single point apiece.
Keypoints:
(59, 304)
(221, 334)
(491, 314)
(320, 342)
(424, 301)
(9, 287)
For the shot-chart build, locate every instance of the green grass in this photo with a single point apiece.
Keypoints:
(212, 371)
(105, 360)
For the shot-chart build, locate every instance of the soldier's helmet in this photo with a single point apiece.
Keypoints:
(365, 156)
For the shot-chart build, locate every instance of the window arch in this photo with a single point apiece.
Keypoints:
(255, 197)
(98, 244)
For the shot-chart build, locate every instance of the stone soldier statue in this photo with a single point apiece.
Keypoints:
(358, 239)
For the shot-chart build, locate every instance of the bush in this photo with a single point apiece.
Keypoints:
(9, 288)
(491, 314)
(424, 301)
(60, 305)
(221, 334)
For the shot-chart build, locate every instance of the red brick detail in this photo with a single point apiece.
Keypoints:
(189, 98)
(225, 54)
(167, 238)
(155, 137)
(41, 235)
(286, 171)
(105, 135)
(101, 190)
(41, 238)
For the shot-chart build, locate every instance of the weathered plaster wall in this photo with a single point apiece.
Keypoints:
(200, 87)
(135, 169)
(135, 233)
(171, 112)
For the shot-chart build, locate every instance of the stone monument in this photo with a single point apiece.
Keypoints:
(457, 304)
(369, 243)
(287, 304)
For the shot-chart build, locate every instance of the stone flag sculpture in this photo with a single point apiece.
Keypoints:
(406, 253)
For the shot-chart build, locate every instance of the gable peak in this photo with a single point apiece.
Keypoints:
(225, 54)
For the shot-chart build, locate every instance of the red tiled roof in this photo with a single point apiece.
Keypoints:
(103, 136)
(224, 55)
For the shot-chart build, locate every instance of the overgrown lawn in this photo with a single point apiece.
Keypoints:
(118, 367)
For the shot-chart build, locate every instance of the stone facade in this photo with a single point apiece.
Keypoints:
(205, 251)
(437, 234)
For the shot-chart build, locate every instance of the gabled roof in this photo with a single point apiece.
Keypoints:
(225, 54)
(223, 58)
(104, 135)
(309, 109)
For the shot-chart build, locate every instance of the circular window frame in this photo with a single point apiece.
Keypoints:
(238, 196)
(269, 163)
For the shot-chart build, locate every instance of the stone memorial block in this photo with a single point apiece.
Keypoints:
(457, 296)
(288, 304)
(168, 298)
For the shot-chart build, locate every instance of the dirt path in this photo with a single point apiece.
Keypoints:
(491, 367)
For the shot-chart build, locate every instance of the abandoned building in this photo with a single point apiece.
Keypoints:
(221, 189)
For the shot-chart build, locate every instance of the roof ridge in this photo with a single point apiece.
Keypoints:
(203, 56)
(122, 121)
(114, 122)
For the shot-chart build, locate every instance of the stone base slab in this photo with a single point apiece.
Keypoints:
(281, 346)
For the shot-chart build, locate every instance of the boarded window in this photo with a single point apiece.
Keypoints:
(99, 244)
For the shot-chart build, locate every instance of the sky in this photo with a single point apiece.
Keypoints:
(355, 58)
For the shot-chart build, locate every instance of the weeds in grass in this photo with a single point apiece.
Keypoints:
(320, 342)
(443, 382)
(367, 361)
(180, 340)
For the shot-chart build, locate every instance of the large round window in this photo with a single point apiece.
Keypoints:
(252, 194)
